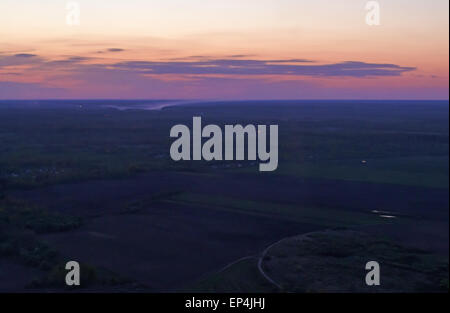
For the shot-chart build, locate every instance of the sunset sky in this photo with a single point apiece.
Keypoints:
(224, 49)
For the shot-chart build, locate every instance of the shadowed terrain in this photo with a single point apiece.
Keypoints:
(87, 182)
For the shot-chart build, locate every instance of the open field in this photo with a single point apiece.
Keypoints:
(330, 261)
(80, 181)
(415, 171)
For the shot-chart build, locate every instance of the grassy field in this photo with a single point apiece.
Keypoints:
(331, 261)
(419, 171)
(241, 277)
(334, 261)
(320, 216)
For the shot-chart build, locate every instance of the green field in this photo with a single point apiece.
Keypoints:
(429, 172)
(318, 216)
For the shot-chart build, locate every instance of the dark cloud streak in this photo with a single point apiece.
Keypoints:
(268, 67)
(25, 55)
(116, 50)
(204, 67)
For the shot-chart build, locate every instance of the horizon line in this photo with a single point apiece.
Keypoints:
(217, 100)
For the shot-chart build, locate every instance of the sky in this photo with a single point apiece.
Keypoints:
(223, 49)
